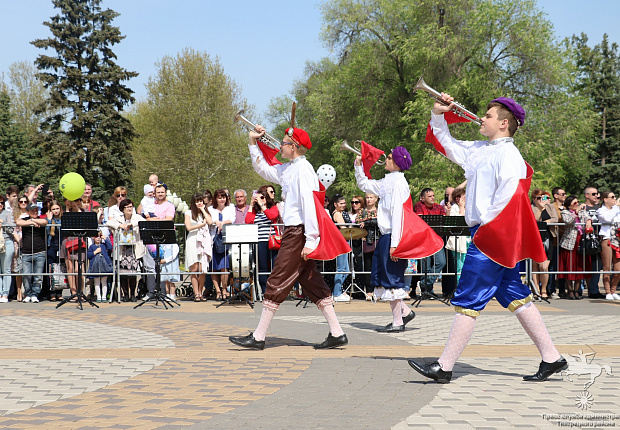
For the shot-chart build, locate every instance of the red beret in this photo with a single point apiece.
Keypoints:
(299, 136)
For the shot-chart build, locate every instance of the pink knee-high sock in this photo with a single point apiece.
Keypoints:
(405, 309)
(460, 333)
(397, 312)
(327, 307)
(531, 320)
(269, 310)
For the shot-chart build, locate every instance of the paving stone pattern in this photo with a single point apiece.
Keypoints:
(120, 368)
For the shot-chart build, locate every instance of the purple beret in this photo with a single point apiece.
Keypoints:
(401, 157)
(515, 108)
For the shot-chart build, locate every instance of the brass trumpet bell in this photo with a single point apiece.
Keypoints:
(344, 146)
(266, 138)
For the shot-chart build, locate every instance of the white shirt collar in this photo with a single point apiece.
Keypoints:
(500, 140)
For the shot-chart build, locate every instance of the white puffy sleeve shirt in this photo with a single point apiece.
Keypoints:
(492, 169)
(393, 192)
(298, 180)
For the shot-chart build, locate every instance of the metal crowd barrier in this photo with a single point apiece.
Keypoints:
(324, 267)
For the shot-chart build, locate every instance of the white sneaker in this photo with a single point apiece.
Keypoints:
(609, 297)
(4, 299)
(616, 296)
(27, 299)
(146, 297)
(342, 298)
(34, 299)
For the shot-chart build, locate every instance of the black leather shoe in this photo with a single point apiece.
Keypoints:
(596, 296)
(408, 318)
(332, 342)
(247, 341)
(433, 371)
(547, 369)
(390, 328)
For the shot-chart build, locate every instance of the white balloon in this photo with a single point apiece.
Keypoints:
(326, 174)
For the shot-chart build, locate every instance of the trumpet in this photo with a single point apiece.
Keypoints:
(267, 139)
(457, 109)
(346, 147)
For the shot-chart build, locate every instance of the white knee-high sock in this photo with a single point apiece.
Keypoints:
(531, 320)
(330, 315)
(460, 333)
(397, 312)
(269, 310)
(98, 287)
(104, 286)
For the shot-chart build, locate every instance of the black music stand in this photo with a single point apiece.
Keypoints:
(80, 225)
(157, 233)
(241, 234)
(444, 226)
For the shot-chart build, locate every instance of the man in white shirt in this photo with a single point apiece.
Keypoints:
(301, 236)
(494, 170)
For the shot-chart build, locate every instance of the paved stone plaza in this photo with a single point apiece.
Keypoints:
(120, 368)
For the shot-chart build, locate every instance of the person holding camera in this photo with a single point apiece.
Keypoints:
(263, 211)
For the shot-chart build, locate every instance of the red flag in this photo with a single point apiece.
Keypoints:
(269, 154)
(513, 234)
(332, 243)
(451, 118)
(370, 155)
(418, 240)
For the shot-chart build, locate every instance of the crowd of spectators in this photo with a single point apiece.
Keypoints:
(37, 262)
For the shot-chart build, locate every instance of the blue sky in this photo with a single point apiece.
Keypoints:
(263, 46)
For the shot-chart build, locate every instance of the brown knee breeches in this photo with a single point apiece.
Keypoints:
(289, 268)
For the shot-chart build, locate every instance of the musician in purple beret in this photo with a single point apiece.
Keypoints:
(388, 272)
(503, 232)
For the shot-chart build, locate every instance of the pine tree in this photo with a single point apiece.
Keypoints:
(87, 133)
(18, 156)
(600, 81)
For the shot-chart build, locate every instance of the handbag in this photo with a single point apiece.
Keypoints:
(275, 241)
(72, 245)
(218, 240)
(2, 243)
(59, 280)
(589, 245)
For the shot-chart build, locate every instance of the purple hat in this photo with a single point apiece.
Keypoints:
(515, 108)
(401, 157)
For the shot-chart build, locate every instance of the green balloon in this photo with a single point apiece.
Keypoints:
(72, 186)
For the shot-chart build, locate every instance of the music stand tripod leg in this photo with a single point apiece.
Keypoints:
(78, 294)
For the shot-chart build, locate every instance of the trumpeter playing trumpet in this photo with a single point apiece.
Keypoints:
(303, 238)
(403, 234)
(503, 230)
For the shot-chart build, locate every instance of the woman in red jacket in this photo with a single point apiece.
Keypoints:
(264, 212)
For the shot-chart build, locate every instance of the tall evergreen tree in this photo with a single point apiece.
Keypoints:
(17, 154)
(600, 82)
(87, 133)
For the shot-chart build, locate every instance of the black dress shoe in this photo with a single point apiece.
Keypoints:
(433, 371)
(390, 328)
(408, 318)
(547, 369)
(247, 341)
(596, 296)
(332, 342)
